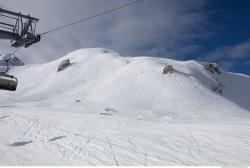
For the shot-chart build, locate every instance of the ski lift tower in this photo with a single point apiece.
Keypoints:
(19, 28)
(21, 31)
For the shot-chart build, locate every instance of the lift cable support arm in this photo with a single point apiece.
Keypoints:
(18, 28)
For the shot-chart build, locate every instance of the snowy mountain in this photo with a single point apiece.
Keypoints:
(13, 61)
(107, 109)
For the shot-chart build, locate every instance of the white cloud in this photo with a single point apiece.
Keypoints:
(238, 51)
(153, 27)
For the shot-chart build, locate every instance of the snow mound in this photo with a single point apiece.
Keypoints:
(134, 86)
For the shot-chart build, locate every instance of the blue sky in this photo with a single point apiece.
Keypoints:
(230, 21)
(205, 30)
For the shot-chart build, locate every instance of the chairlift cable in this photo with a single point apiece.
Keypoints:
(79, 21)
(16, 50)
(12, 85)
(92, 17)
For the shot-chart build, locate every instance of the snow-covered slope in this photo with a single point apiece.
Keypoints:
(137, 83)
(126, 103)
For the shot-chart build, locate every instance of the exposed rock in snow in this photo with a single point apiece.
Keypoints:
(217, 88)
(168, 69)
(110, 109)
(13, 60)
(63, 65)
(213, 68)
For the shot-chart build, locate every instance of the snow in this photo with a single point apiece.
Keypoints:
(108, 109)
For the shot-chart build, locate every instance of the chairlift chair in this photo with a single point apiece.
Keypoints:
(21, 30)
(7, 82)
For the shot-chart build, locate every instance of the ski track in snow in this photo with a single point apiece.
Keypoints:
(124, 114)
(134, 143)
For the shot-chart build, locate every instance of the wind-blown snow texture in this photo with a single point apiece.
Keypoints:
(107, 109)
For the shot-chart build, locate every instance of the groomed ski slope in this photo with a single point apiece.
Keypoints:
(107, 109)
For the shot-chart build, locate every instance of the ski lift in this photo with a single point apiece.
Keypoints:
(7, 82)
(19, 28)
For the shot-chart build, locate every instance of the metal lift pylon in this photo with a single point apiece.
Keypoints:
(19, 28)
(21, 31)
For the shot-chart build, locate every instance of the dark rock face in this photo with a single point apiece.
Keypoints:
(212, 68)
(168, 69)
(217, 88)
(63, 65)
(13, 61)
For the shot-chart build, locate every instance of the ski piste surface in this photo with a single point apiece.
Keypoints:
(53, 137)
(106, 109)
